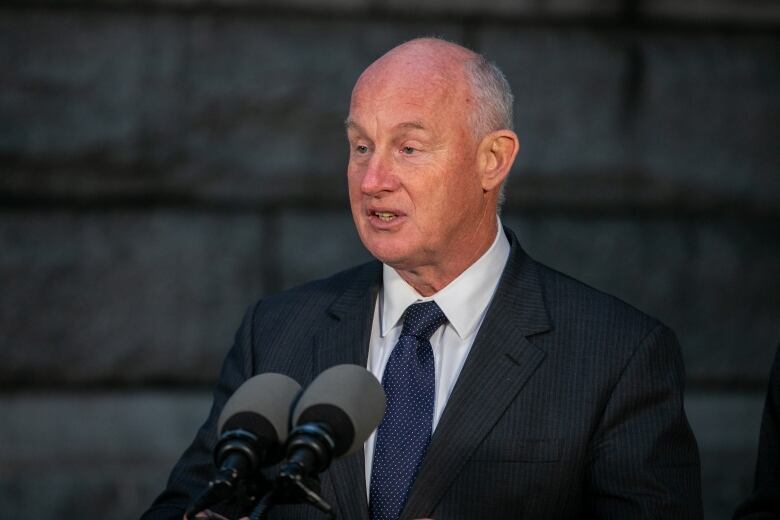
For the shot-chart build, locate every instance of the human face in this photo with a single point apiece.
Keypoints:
(414, 189)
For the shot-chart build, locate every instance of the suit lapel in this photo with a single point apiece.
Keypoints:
(345, 340)
(498, 366)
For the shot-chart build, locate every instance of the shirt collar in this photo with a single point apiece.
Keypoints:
(463, 301)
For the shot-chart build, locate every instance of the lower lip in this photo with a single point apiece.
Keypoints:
(378, 223)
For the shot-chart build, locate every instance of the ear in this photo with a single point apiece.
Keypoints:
(497, 153)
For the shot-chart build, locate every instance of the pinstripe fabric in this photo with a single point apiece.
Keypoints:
(569, 404)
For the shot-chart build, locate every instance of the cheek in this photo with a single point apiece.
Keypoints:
(353, 183)
(355, 197)
(458, 201)
(431, 204)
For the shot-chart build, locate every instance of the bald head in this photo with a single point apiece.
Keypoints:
(463, 76)
(425, 55)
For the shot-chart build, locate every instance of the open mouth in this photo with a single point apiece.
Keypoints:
(385, 216)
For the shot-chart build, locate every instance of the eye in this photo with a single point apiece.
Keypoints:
(361, 149)
(408, 150)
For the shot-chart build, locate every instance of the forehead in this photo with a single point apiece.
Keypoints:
(399, 95)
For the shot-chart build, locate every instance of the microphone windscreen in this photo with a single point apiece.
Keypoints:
(261, 405)
(349, 399)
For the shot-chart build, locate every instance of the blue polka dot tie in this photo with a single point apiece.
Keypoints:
(405, 431)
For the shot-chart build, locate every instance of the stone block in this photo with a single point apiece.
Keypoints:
(757, 12)
(89, 99)
(249, 108)
(726, 426)
(714, 282)
(514, 8)
(517, 8)
(665, 121)
(124, 297)
(315, 245)
(708, 114)
(754, 13)
(76, 455)
(300, 7)
(199, 106)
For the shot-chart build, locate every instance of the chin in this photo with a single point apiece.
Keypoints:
(386, 252)
(396, 249)
(385, 255)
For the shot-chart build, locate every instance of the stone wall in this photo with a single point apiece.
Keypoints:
(165, 163)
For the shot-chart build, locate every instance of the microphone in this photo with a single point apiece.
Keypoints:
(332, 418)
(253, 426)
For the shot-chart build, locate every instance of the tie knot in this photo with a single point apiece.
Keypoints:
(422, 320)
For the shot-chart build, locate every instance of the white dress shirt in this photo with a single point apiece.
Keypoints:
(464, 301)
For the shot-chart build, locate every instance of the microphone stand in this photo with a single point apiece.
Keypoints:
(310, 448)
(290, 488)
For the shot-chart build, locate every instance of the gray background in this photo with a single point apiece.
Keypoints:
(165, 163)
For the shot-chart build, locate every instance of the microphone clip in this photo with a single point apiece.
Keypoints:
(310, 450)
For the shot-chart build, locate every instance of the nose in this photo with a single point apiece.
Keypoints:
(378, 175)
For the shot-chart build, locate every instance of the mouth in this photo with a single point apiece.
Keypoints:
(385, 216)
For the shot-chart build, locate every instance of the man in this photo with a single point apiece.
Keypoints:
(527, 395)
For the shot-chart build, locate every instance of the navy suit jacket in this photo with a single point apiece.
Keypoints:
(569, 405)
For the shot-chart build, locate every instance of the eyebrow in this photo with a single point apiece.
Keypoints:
(348, 123)
(415, 125)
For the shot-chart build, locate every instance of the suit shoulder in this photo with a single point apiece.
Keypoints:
(579, 305)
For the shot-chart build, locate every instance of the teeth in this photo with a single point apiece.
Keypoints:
(385, 216)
